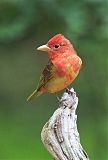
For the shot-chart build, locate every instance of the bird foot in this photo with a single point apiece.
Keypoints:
(72, 93)
(68, 91)
(63, 102)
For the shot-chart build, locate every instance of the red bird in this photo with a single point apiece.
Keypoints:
(62, 68)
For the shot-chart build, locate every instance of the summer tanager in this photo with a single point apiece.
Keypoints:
(62, 68)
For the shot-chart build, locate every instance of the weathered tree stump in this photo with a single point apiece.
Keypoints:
(60, 135)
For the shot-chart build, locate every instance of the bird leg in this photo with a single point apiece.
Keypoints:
(57, 97)
(68, 91)
(62, 101)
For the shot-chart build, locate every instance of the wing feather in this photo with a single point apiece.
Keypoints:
(47, 74)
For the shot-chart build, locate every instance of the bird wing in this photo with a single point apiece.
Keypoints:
(47, 74)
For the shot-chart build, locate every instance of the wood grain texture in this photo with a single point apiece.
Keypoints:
(60, 135)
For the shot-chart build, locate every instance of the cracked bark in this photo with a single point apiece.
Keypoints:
(60, 135)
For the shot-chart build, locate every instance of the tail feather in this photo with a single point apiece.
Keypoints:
(35, 93)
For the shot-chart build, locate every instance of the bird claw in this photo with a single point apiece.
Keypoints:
(69, 92)
(63, 102)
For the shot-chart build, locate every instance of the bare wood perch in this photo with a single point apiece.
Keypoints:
(60, 135)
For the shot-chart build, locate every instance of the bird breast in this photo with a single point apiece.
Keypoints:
(66, 71)
(68, 66)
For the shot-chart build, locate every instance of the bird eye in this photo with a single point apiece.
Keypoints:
(56, 46)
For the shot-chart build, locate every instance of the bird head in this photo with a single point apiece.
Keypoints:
(56, 46)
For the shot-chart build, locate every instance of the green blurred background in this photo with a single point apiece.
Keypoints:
(26, 24)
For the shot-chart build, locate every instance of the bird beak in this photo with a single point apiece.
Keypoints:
(44, 48)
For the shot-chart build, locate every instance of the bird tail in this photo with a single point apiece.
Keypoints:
(35, 93)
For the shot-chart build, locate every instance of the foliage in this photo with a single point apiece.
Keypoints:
(86, 18)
